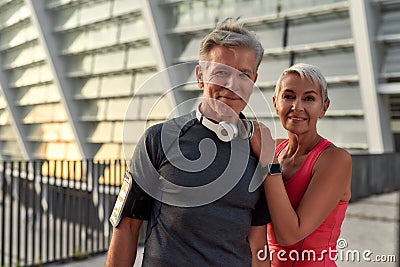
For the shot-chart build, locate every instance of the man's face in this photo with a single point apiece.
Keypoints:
(227, 79)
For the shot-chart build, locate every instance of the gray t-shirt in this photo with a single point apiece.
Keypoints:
(210, 234)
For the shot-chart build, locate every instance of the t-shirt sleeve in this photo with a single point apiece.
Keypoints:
(131, 202)
(260, 215)
(141, 179)
(138, 203)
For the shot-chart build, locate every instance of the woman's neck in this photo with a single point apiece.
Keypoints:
(302, 144)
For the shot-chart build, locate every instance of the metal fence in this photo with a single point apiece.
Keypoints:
(375, 174)
(55, 211)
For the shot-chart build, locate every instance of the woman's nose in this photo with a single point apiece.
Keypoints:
(297, 105)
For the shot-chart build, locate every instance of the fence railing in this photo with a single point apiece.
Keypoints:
(375, 174)
(52, 211)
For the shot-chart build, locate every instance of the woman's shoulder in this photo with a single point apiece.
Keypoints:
(336, 154)
(335, 165)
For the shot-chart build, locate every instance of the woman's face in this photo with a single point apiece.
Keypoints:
(299, 104)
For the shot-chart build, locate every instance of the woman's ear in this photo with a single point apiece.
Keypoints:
(324, 108)
(199, 77)
(274, 101)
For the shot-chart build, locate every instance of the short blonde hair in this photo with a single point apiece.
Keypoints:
(310, 72)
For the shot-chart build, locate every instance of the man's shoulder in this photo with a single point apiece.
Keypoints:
(183, 119)
(176, 123)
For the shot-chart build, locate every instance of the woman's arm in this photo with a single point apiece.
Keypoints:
(330, 184)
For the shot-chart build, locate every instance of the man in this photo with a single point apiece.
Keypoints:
(190, 176)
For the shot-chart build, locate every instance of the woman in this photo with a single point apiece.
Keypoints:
(308, 201)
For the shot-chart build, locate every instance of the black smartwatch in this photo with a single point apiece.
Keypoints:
(274, 168)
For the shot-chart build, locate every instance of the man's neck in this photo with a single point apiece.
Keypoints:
(216, 117)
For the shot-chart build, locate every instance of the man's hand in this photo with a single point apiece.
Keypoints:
(258, 246)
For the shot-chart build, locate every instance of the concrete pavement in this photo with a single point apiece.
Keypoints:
(371, 230)
(370, 235)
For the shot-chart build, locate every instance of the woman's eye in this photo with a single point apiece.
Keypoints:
(309, 98)
(288, 97)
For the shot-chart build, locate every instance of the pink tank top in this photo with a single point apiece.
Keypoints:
(318, 248)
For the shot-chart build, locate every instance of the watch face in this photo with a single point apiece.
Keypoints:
(275, 168)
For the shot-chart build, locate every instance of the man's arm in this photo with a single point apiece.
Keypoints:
(258, 246)
(124, 242)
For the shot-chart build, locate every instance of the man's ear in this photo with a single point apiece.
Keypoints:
(199, 77)
(255, 78)
(324, 108)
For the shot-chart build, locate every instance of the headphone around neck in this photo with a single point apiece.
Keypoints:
(227, 131)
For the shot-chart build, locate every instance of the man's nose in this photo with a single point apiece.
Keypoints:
(231, 83)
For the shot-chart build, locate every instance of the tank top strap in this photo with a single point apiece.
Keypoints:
(314, 154)
(316, 151)
(281, 146)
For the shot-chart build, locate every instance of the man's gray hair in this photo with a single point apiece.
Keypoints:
(310, 72)
(230, 33)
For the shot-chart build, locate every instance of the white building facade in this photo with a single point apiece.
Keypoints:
(82, 79)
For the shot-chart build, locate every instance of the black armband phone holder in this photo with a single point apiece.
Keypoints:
(131, 202)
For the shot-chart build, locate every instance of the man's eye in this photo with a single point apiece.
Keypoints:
(221, 73)
(309, 98)
(244, 75)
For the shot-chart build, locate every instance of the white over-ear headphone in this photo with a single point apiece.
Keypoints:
(227, 131)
